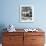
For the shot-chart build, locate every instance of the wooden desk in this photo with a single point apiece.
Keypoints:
(22, 38)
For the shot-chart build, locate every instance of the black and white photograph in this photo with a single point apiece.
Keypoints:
(26, 13)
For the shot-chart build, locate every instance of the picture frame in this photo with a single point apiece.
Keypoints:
(26, 13)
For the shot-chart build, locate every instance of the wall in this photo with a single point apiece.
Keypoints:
(10, 13)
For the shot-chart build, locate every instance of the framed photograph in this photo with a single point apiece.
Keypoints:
(26, 13)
